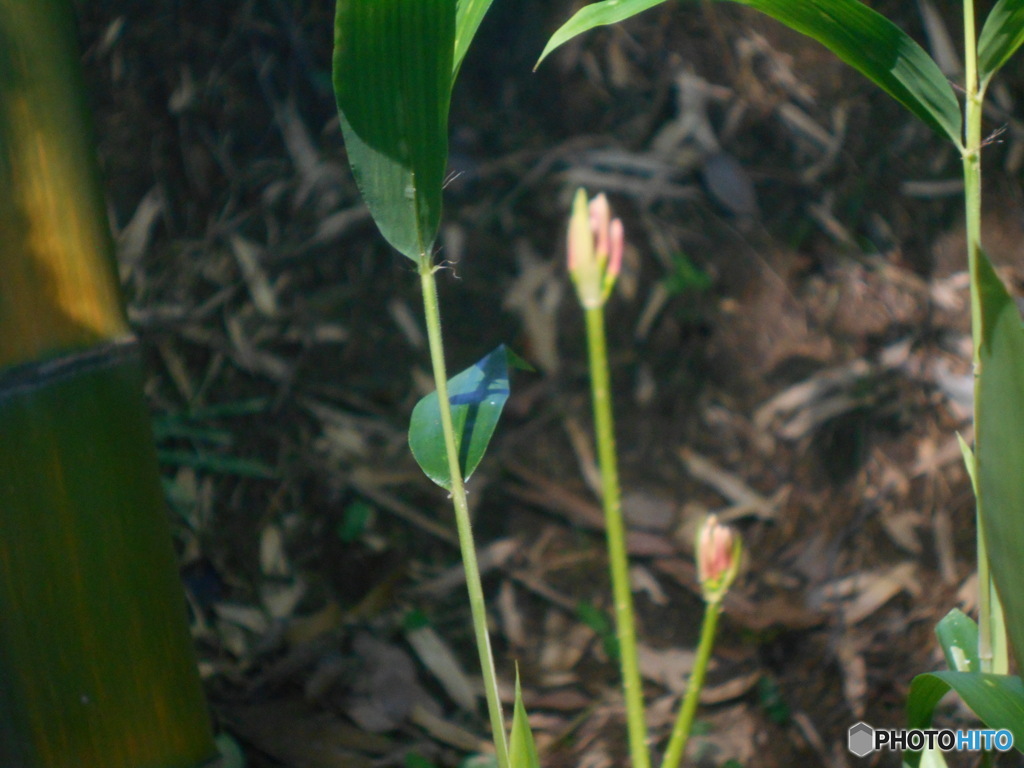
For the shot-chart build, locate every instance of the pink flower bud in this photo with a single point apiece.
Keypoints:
(595, 247)
(600, 218)
(618, 238)
(718, 558)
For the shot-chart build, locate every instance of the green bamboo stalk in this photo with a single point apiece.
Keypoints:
(59, 290)
(96, 661)
(990, 624)
(625, 627)
(478, 609)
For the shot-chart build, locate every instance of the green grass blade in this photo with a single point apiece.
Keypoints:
(595, 15)
(1000, 447)
(1000, 38)
(392, 81)
(861, 37)
(997, 700)
(522, 749)
(468, 16)
(477, 396)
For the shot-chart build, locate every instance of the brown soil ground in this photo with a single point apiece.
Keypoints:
(789, 349)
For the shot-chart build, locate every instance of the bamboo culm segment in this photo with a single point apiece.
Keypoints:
(59, 289)
(96, 663)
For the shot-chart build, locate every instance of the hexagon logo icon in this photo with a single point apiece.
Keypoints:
(861, 739)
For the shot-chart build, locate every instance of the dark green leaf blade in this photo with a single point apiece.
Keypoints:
(392, 80)
(467, 21)
(477, 396)
(522, 750)
(1001, 36)
(999, 447)
(997, 700)
(595, 15)
(861, 37)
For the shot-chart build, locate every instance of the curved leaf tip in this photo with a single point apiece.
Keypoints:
(594, 15)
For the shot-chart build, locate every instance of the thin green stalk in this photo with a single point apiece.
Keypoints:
(684, 722)
(616, 532)
(972, 166)
(478, 610)
(973, 102)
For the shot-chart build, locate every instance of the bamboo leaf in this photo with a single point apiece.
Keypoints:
(595, 15)
(861, 37)
(477, 396)
(879, 50)
(392, 82)
(1000, 450)
(1000, 38)
(468, 16)
(998, 701)
(958, 636)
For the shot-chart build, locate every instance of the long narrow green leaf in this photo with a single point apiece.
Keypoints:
(1000, 445)
(392, 82)
(864, 39)
(879, 50)
(467, 21)
(997, 700)
(595, 15)
(1001, 36)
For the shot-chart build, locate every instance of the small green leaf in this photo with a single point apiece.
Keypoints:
(231, 754)
(958, 636)
(595, 15)
(522, 752)
(477, 397)
(861, 37)
(392, 82)
(603, 627)
(769, 696)
(467, 21)
(1000, 38)
(416, 760)
(354, 521)
(997, 700)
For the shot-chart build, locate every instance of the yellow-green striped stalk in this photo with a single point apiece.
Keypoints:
(97, 668)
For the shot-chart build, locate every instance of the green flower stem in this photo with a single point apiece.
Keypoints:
(616, 532)
(684, 722)
(476, 593)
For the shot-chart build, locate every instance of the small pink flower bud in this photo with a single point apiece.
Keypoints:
(596, 243)
(600, 218)
(718, 558)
